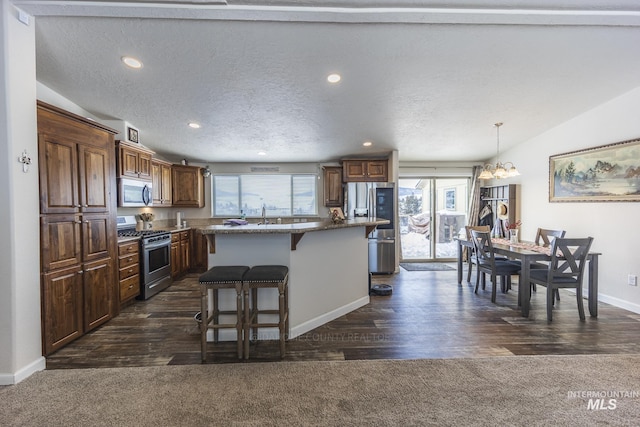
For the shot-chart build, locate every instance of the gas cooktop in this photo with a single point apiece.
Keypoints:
(140, 233)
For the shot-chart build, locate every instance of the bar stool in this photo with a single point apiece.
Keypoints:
(266, 276)
(216, 278)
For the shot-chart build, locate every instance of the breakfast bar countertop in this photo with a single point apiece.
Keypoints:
(294, 228)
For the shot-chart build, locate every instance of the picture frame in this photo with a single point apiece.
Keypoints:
(607, 173)
(132, 135)
(450, 199)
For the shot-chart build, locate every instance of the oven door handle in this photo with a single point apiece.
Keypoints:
(158, 245)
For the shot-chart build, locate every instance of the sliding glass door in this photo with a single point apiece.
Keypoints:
(432, 211)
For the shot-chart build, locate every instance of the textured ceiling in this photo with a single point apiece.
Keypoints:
(425, 78)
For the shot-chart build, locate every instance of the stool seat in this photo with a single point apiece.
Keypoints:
(260, 277)
(216, 278)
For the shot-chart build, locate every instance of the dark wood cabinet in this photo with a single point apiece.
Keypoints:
(365, 170)
(176, 262)
(134, 161)
(161, 183)
(62, 308)
(200, 252)
(77, 225)
(333, 192)
(180, 253)
(129, 270)
(73, 177)
(187, 186)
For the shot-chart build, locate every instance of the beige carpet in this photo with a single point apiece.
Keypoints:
(500, 391)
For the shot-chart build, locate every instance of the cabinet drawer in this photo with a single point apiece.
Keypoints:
(128, 248)
(129, 271)
(184, 235)
(130, 287)
(127, 260)
(175, 237)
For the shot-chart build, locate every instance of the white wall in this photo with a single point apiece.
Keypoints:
(20, 343)
(614, 226)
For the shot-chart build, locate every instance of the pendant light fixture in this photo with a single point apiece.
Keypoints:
(499, 170)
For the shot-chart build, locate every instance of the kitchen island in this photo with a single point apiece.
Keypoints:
(328, 267)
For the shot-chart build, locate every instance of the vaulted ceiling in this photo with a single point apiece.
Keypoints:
(427, 78)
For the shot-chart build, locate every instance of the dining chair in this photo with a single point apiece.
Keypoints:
(471, 257)
(565, 270)
(488, 264)
(544, 237)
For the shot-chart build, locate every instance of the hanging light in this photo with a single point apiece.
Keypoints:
(499, 170)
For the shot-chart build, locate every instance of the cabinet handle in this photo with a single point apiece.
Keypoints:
(131, 270)
(86, 221)
(80, 272)
(130, 259)
(78, 222)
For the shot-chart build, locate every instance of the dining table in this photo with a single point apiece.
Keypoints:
(527, 253)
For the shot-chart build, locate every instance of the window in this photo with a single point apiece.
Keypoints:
(281, 194)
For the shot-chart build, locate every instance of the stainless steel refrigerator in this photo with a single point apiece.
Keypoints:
(375, 199)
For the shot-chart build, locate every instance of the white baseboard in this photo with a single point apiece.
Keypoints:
(620, 303)
(327, 317)
(35, 366)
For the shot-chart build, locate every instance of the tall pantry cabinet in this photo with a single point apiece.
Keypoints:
(78, 243)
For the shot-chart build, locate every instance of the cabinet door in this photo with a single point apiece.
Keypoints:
(94, 165)
(60, 237)
(156, 184)
(333, 186)
(62, 308)
(188, 186)
(144, 165)
(128, 161)
(58, 175)
(185, 251)
(377, 170)
(354, 170)
(96, 230)
(165, 178)
(176, 265)
(98, 291)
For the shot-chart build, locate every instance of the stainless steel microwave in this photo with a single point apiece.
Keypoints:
(134, 193)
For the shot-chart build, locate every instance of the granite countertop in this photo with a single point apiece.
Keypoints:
(294, 228)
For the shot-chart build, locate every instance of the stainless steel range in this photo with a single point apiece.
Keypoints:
(155, 259)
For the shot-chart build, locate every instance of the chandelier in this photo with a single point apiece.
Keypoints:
(499, 170)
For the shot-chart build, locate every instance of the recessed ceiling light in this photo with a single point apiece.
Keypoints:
(194, 125)
(132, 62)
(262, 153)
(333, 78)
(367, 143)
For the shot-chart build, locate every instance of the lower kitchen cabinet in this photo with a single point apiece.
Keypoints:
(62, 308)
(75, 300)
(181, 253)
(129, 270)
(200, 252)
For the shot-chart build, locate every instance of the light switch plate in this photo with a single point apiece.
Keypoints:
(23, 17)
(632, 280)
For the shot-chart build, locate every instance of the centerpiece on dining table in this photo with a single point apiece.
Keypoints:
(512, 227)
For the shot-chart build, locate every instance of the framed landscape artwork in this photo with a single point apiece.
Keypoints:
(609, 173)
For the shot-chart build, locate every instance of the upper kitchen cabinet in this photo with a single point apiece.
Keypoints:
(74, 170)
(134, 161)
(333, 194)
(161, 183)
(188, 186)
(365, 170)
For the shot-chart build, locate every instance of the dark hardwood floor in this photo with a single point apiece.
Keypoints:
(428, 315)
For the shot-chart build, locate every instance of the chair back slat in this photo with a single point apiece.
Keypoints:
(568, 258)
(545, 237)
(483, 247)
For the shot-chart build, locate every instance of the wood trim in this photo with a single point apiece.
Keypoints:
(75, 117)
